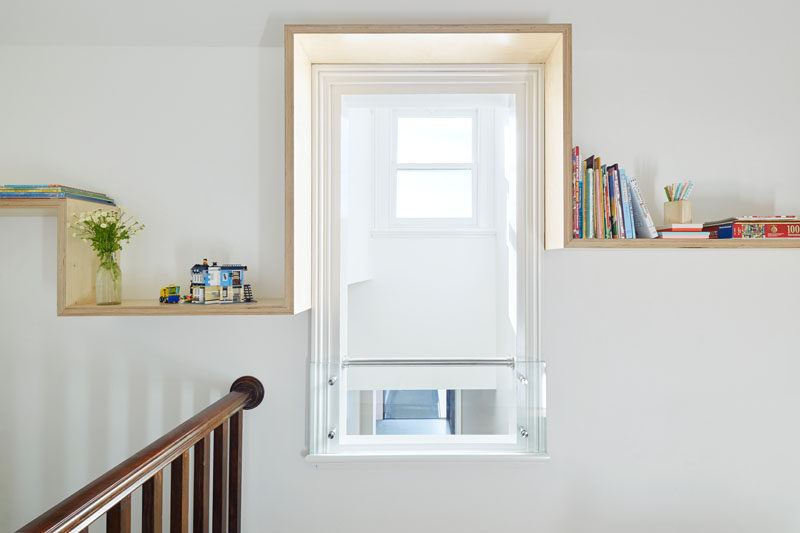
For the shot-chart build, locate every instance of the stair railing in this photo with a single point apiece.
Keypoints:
(216, 499)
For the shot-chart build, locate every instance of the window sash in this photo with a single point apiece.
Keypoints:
(474, 166)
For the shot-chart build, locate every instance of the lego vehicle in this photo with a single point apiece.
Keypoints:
(171, 294)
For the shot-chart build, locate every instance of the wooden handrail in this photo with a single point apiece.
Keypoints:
(110, 493)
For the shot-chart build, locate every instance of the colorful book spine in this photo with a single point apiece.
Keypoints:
(585, 195)
(598, 176)
(630, 230)
(620, 206)
(603, 203)
(588, 227)
(623, 204)
(576, 230)
(598, 204)
(612, 203)
(580, 209)
(590, 203)
(623, 231)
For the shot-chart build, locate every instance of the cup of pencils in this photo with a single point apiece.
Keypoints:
(678, 208)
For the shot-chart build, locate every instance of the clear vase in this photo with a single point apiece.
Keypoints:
(109, 281)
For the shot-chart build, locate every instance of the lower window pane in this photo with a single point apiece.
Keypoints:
(434, 193)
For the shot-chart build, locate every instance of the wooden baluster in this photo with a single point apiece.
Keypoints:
(202, 484)
(235, 476)
(179, 495)
(218, 521)
(152, 496)
(118, 519)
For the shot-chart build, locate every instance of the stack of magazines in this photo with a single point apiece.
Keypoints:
(53, 191)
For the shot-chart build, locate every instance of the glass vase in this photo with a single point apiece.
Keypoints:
(108, 284)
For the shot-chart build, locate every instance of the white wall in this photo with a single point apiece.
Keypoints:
(648, 431)
(189, 139)
(429, 296)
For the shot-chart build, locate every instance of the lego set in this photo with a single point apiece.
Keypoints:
(212, 284)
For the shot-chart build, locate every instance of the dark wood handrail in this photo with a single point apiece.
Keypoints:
(112, 490)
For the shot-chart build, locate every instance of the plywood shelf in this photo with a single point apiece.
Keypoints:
(77, 264)
(683, 243)
(153, 307)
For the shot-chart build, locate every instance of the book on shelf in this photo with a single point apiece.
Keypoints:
(55, 195)
(588, 184)
(680, 227)
(607, 202)
(642, 221)
(53, 191)
(755, 227)
(576, 225)
(625, 202)
(683, 234)
(613, 211)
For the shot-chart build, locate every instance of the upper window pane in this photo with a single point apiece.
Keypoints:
(434, 140)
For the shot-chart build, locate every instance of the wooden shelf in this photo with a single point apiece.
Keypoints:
(152, 307)
(77, 265)
(683, 243)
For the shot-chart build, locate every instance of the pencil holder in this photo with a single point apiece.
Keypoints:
(678, 212)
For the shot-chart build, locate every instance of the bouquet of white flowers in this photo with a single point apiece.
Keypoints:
(105, 231)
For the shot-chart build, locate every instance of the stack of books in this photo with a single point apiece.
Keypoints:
(607, 203)
(682, 231)
(53, 191)
(755, 227)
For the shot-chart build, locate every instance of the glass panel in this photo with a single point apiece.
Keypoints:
(434, 193)
(427, 406)
(434, 140)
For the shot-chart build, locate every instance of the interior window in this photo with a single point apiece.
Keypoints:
(434, 176)
(425, 314)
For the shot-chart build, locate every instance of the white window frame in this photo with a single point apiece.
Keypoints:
(328, 348)
(474, 167)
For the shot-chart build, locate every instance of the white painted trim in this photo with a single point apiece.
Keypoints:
(329, 83)
(438, 232)
(444, 457)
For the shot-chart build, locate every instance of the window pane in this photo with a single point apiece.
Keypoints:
(434, 140)
(434, 193)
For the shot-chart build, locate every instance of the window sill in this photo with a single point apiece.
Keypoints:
(428, 457)
(438, 232)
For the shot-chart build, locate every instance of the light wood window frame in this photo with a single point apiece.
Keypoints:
(305, 45)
